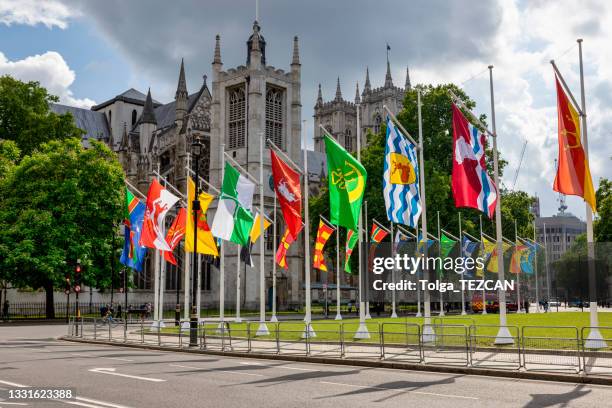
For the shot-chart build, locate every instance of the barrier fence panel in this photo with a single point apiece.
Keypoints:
(263, 344)
(486, 352)
(597, 354)
(238, 334)
(401, 341)
(292, 337)
(354, 346)
(215, 335)
(327, 339)
(445, 344)
(551, 348)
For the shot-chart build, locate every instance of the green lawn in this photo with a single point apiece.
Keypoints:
(397, 329)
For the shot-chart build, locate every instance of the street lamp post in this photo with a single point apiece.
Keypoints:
(196, 149)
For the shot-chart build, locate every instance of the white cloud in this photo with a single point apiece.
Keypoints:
(51, 70)
(32, 12)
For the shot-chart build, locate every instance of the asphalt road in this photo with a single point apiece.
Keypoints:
(107, 376)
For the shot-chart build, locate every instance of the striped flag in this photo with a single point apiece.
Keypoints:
(281, 252)
(323, 234)
(378, 233)
(401, 178)
(351, 240)
(175, 234)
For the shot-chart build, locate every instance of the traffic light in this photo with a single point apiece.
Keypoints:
(122, 281)
(77, 276)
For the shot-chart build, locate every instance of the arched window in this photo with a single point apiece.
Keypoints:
(377, 122)
(236, 118)
(134, 117)
(274, 116)
(348, 140)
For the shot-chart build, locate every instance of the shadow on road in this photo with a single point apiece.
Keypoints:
(561, 400)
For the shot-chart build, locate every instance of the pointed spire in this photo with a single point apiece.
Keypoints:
(123, 146)
(367, 87)
(407, 85)
(148, 113)
(357, 98)
(320, 96)
(217, 59)
(296, 52)
(388, 80)
(338, 91)
(181, 89)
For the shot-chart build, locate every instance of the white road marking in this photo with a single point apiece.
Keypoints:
(278, 366)
(12, 403)
(220, 371)
(399, 389)
(111, 371)
(12, 384)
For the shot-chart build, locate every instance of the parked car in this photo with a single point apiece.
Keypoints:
(554, 303)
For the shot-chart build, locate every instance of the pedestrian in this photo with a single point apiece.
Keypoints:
(5, 310)
(119, 311)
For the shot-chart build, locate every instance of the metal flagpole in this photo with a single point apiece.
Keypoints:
(367, 258)
(338, 294)
(594, 339)
(187, 264)
(463, 312)
(198, 294)
(362, 331)
(393, 277)
(418, 288)
(484, 271)
(518, 274)
(546, 261)
(262, 330)
(535, 267)
(162, 284)
(238, 319)
(441, 269)
(503, 335)
(274, 319)
(428, 332)
(308, 317)
(221, 263)
(156, 272)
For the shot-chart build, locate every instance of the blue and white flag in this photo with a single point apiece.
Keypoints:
(467, 251)
(401, 178)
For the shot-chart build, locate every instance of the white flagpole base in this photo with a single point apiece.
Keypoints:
(463, 313)
(362, 332)
(368, 316)
(441, 313)
(185, 326)
(238, 319)
(484, 311)
(262, 330)
(504, 336)
(308, 332)
(162, 324)
(419, 314)
(394, 315)
(155, 324)
(595, 340)
(221, 327)
(338, 316)
(273, 319)
(429, 336)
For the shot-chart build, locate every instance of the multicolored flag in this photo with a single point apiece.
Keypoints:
(206, 241)
(256, 232)
(487, 249)
(401, 178)
(351, 241)
(468, 248)
(159, 202)
(378, 233)
(133, 254)
(289, 193)
(233, 219)
(281, 252)
(493, 265)
(175, 233)
(472, 187)
(347, 181)
(573, 173)
(446, 246)
(528, 258)
(324, 232)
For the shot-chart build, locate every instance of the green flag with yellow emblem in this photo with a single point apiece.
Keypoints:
(347, 181)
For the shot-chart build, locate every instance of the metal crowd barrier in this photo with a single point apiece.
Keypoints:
(543, 348)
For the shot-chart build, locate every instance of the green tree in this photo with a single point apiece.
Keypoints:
(60, 204)
(25, 116)
(603, 223)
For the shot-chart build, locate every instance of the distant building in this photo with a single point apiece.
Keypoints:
(561, 231)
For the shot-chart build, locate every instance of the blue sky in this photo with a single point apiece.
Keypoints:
(88, 51)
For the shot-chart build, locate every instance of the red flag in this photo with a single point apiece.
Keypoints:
(323, 234)
(288, 191)
(281, 252)
(175, 234)
(573, 174)
(159, 201)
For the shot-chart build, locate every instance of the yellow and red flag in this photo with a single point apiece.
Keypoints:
(281, 252)
(206, 242)
(573, 174)
(323, 234)
(515, 263)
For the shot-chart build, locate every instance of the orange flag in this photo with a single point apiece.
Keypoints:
(206, 242)
(281, 252)
(573, 174)
(323, 234)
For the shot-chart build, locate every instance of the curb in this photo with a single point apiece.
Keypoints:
(488, 372)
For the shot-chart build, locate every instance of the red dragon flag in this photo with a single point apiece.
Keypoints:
(573, 174)
(471, 184)
(323, 234)
(175, 234)
(159, 201)
(289, 193)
